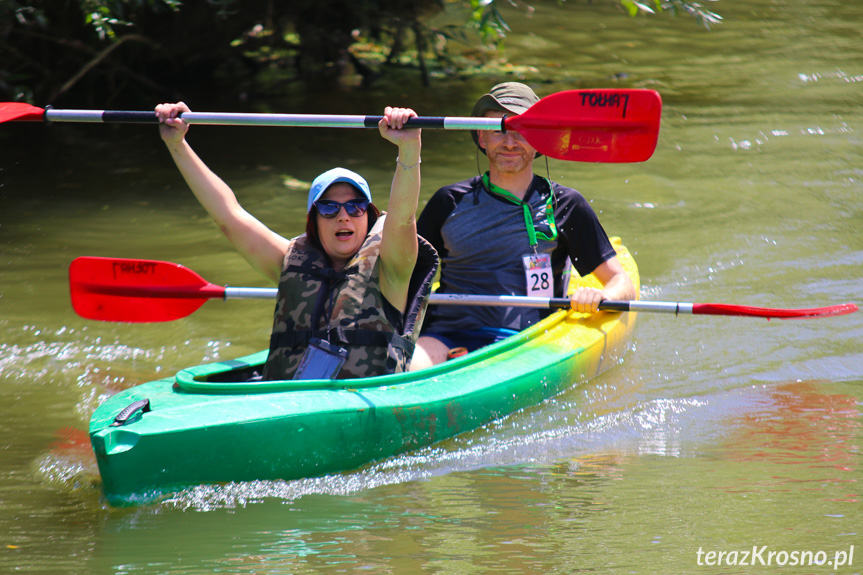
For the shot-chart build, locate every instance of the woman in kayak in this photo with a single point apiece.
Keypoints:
(352, 289)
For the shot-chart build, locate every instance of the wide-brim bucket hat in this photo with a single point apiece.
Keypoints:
(512, 98)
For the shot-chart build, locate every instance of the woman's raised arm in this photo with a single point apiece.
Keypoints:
(260, 246)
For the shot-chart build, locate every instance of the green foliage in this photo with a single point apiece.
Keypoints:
(695, 9)
(78, 50)
(486, 19)
(106, 15)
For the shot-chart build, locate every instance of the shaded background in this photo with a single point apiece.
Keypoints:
(712, 433)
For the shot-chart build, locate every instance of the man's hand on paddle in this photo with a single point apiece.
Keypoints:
(586, 300)
(617, 285)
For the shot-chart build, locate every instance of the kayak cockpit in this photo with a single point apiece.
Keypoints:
(242, 375)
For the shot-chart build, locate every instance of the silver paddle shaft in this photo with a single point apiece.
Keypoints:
(241, 119)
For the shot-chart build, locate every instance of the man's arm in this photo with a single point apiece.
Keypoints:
(590, 250)
(617, 285)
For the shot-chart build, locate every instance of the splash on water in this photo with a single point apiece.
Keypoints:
(70, 465)
(540, 436)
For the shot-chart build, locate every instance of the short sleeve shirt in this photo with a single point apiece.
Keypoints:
(481, 238)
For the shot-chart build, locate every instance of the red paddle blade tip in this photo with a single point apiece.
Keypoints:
(770, 313)
(842, 309)
(20, 112)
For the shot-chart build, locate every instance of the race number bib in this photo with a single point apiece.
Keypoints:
(537, 273)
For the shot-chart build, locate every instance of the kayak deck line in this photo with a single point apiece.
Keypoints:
(206, 426)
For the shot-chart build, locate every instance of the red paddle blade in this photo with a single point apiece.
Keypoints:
(593, 125)
(748, 311)
(139, 291)
(20, 112)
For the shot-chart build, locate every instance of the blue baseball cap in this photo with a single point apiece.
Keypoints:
(334, 176)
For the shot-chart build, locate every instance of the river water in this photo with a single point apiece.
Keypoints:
(713, 435)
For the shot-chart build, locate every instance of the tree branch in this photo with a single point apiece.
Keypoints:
(101, 56)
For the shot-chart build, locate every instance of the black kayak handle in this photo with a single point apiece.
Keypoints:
(124, 416)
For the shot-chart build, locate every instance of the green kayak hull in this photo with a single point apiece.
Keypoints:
(207, 424)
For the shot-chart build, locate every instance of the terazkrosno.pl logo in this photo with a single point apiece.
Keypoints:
(762, 556)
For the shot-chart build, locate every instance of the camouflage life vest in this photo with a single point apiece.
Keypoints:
(347, 308)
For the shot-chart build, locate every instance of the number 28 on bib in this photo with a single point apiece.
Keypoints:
(537, 273)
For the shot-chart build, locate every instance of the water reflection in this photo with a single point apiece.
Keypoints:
(807, 440)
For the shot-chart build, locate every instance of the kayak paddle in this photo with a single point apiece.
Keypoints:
(615, 125)
(138, 291)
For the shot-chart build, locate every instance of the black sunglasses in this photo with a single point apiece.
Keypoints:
(330, 209)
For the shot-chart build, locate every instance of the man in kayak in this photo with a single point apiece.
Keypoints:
(353, 289)
(510, 232)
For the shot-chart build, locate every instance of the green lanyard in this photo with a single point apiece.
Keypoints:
(532, 234)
